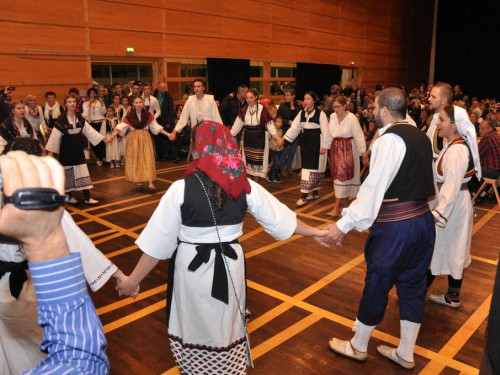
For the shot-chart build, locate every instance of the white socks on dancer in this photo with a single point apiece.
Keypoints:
(361, 337)
(409, 333)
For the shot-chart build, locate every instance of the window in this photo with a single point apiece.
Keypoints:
(107, 74)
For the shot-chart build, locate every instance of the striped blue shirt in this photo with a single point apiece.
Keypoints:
(73, 335)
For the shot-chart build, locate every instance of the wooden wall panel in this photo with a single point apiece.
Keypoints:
(17, 36)
(389, 40)
(252, 30)
(140, 17)
(247, 10)
(35, 12)
(116, 41)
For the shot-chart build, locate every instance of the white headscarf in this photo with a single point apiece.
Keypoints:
(468, 133)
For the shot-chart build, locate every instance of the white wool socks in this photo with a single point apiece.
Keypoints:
(409, 333)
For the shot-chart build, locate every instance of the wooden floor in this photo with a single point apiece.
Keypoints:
(300, 294)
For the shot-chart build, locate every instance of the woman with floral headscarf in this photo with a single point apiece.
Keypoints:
(206, 296)
(453, 211)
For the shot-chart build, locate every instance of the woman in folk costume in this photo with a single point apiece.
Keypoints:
(139, 152)
(66, 140)
(206, 296)
(255, 119)
(20, 334)
(16, 126)
(313, 125)
(348, 145)
(452, 208)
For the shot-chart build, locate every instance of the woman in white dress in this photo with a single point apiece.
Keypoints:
(347, 146)
(206, 289)
(20, 334)
(313, 125)
(452, 208)
(67, 141)
(255, 119)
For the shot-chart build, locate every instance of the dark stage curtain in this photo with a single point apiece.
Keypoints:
(225, 75)
(468, 46)
(317, 78)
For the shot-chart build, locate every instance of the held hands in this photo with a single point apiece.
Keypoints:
(107, 140)
(322, 151)
(335, 235)
(280, 142)
(172, 136)
(126, 287)
(366, 158)
(320, 237)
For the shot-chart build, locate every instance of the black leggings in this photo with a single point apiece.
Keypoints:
(452, 283)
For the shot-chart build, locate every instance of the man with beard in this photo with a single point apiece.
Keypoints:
(439, 98)
(398, 250)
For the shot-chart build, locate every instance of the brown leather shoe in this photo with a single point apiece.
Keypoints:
(290, 172)
(284, 174)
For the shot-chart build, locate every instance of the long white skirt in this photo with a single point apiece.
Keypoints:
(452, 249)
(206, 334)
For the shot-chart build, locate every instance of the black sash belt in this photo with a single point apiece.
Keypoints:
(17, 275)
(220, 289)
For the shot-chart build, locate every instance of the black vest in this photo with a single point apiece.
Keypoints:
(195, 211)
(415, 179)
(314, 119)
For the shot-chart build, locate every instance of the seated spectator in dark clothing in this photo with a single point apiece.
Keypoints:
(485, 110)
(489, 155)
(372, 129)
(425, 118)
(474, 119)
(414, 111)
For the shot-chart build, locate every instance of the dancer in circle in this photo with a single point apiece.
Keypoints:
(255, 119)
(347, 146)
(139, 152)
(66, 140)
(313, 125)
(206, 286)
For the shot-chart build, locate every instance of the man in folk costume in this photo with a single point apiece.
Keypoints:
(198, 108)
(439, 98)
(393, 199)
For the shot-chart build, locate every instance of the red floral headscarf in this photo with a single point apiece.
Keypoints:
(220, 159)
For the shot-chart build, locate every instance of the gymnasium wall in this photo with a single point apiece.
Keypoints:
(388, 40)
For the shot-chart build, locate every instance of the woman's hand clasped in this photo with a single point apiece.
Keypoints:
(127, 287)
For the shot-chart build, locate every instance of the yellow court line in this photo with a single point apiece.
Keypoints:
(105, 223)
(107, 238)
(278, 310)
(455, 344)
(483, 221)
(122, 251)
(324, 220)
(133, 317)
(94, 235)
(129, 301)
(94, 208)
(319, 210)
(284, 335)
(349, 323)
(127, 208)
(140, 226)
(484, 260)
(309, 205)
(165, 170)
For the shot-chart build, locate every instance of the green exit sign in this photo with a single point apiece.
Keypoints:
(130, 49)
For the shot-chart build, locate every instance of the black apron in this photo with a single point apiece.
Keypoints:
(254, 144)
(310, 147)
(71, 150)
